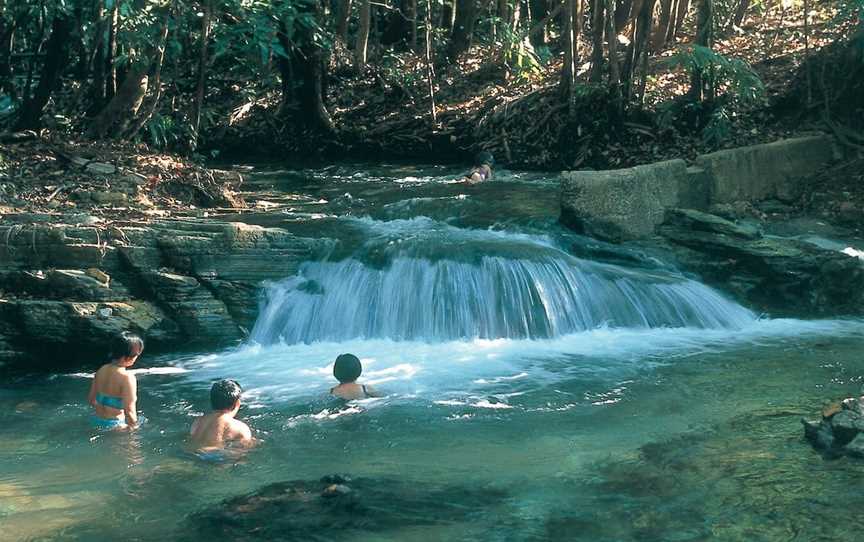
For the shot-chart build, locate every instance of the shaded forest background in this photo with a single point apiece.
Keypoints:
(545, 84)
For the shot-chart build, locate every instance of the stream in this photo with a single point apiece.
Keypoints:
(602, 398)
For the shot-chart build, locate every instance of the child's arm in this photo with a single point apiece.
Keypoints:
(130, 400)
(91, 395)
(242, 433)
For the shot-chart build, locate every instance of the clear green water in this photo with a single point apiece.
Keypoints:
(664, 434)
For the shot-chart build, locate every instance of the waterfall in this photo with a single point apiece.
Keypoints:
(423, 280)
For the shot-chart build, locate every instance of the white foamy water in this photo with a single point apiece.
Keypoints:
(414, 370)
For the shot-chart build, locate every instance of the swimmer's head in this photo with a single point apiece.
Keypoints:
(225, 395)
(125, 348)
(347, 368)
(484, 158)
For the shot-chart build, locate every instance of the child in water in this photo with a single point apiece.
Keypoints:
(114, 391)
(347, 370)
(211, 432)
(482, 170)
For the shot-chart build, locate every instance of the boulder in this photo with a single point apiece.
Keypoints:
(781, 276)
(842, 433)
(621, 204)
(337, 508)
(771, 170)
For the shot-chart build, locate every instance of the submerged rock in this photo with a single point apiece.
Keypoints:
(781, 276)
(335, 508)
(840, 431)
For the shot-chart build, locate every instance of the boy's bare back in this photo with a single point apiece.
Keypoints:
(216, 429)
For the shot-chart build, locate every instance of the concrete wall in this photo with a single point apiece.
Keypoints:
(623, 204)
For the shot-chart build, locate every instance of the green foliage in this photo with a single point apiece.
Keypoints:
(519, 56)
(719, 71)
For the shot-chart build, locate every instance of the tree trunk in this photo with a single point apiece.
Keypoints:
(303, 76)
(624, 12)
(82, 65)
(115, 117)
(463, 28)
(568, 72)
(680, 15)
(412, 14)
(640, 55)
(614, 69)
(111, 52)
(539, 11)
(740, 12)
(7, 35)
(448, 16)
(430, 70)
(342, 18)
(398, 27)
(361, 46)
(56, 57)
(97, 97)
(597, 26)
(156, 86)
(202, 72)
(699, 90)
(661, 29)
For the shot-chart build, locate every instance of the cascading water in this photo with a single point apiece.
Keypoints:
(423, 280)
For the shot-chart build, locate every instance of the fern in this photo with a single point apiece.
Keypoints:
(720, 71)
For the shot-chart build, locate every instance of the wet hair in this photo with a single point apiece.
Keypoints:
(126, 345)
(224, 394)
(484, 157)
(347, 368)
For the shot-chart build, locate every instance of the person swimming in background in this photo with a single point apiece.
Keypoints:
(482, 170)
(114, 391)
(347, 369)
(212, 432)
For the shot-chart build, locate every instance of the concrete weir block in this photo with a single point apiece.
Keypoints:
(772, 170)
(622, 204)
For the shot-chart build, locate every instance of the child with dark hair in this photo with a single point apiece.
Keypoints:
(482, 170)
(114, 391)
(211, 432)
(347, 369)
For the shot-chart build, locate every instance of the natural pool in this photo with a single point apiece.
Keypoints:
(663, 412)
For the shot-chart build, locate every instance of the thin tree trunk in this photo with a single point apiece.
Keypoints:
(97, 99)
(640, 55)
(111, 52)
(704, 38)
(448, 16)
(360, 48)
(568, 75)
(661, 30)
(430, 70)
(614, 69)
(740, 12)
(156, 86)
(56, 57)
(680, 15)
(597, 26)
(412, 8)
(343, 17)
(202, 72)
